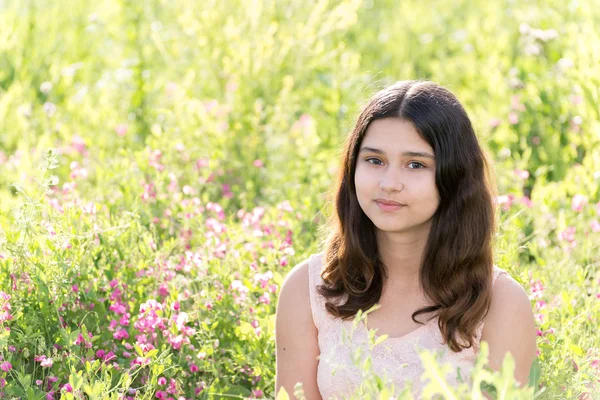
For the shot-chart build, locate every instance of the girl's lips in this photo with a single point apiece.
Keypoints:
(388, 207)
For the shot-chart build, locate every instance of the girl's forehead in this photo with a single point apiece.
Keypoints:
(394, 136)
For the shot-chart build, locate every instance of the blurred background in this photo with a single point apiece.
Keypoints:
(194, 144)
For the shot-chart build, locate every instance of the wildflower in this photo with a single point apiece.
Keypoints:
(578, 202)
(6, 366)
(47, 363)
(121, 130)
(568, 234)
(523, 174)
(121, 334)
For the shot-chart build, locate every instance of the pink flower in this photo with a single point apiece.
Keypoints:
(161, 395)
(537, 290)
(163, 290)
(162, 381)
(523, 174)
(494, 122)
(579, 201)
(68, 388)
(6, 366)
(595, 225)
(505, 201)
(257, 393)
(258, 163)
(265, 298)
(121, 334)
(47, 363)
(568, 234)
(526, 201)
(121, 130)
(194, 368)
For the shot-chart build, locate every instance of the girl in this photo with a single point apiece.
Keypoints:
(412, 231)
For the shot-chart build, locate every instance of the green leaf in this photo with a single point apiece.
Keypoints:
(282, 394)
(576, 349)
(534, 373)
(380, 339)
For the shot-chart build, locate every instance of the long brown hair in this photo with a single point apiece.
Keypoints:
(456, 272)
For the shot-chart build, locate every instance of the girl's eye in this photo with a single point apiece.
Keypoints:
(418, 163)
(377, 160)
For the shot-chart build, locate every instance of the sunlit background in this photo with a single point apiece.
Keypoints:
(163, 164)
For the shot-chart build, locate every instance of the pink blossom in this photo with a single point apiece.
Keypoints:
(194, 368)
(263, 279)
(568, 234)
(47, 363)
(265, 298)
(162, 381)
(121, 129)
(526, 201)
(200, 388)
(124, 321)
(121, 334)
(258, 163)
(202, 163)
(161, 395)
(257, 393)
(78, 144)
(494, 122)
(163, 290)
(537, 289)
(595, 225)
(176, 341)
(6, 366)
(523, 174)
(505, 201)
(578, 202)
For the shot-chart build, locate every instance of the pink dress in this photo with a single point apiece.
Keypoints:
(394, 359)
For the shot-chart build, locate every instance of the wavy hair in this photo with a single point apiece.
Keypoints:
(456, 271)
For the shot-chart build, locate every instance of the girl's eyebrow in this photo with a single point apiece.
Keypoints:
(406, 153)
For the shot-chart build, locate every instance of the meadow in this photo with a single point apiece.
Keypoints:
(163, 164)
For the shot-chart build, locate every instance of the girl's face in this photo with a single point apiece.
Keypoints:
(395, 165)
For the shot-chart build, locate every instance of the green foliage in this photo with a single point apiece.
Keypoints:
(163, 165)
